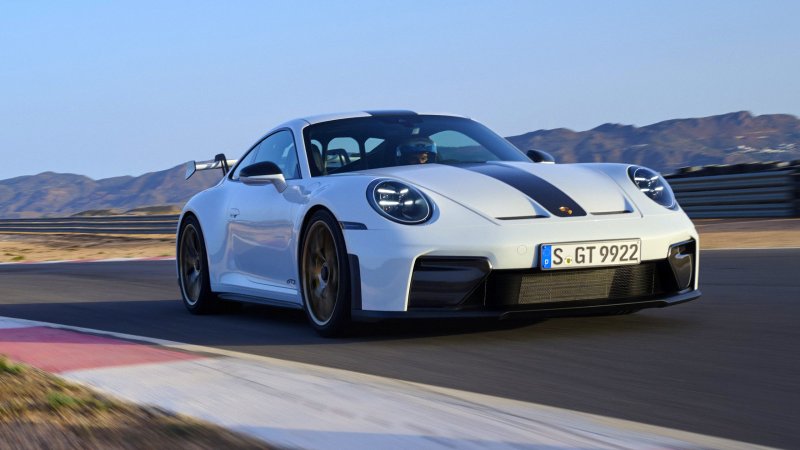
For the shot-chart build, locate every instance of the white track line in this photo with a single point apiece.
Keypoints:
(302, 405)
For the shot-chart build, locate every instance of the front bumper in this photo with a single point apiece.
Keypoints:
(387, 258)
(468, 287)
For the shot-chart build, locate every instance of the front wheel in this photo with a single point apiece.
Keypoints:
(193, 274)
(325, 275)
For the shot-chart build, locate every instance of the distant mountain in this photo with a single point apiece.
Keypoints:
(725, 139)
(666, 146)
(62, 194)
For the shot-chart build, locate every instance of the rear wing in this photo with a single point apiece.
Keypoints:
(219, 162)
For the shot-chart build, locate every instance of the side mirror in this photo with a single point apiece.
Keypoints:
(262, 173)
(539, 156)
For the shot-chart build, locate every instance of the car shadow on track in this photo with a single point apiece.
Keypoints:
(257, 325)
(406, 329)
(371, 331)
(247, 325)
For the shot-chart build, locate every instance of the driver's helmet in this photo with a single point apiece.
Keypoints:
(417, 150)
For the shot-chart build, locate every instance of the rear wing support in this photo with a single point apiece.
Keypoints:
(219, 162)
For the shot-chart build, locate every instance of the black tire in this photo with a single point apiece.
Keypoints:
(325, 275)
(193, 275)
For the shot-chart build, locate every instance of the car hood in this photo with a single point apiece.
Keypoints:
(515, 190)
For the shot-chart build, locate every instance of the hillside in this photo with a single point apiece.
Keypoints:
(724, 139)
(61, 194)
(666, 146)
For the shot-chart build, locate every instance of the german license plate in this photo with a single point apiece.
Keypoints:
(575, 255)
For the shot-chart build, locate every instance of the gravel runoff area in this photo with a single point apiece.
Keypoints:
(714, 233)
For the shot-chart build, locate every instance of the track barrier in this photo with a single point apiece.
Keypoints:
(156, 224)
(742, 190)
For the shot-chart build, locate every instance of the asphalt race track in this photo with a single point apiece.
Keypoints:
(726, 365)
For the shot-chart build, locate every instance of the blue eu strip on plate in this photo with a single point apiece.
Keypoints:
(546, 259)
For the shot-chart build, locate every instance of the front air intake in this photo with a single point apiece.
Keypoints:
(604, 283)
(443, 282)
(681, 259)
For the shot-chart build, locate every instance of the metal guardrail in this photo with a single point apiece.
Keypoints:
(767, 193)
(157, 224)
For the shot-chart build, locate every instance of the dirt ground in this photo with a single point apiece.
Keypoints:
(714, 233)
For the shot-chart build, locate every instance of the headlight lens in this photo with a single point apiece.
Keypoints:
(653, 185)
(399, 202)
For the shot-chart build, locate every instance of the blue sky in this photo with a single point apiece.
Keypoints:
(108, 88)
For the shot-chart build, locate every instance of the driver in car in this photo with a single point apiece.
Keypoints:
(418, 150)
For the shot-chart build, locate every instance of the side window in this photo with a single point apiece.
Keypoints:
(341, 151)
(278, 148)
(372, 143)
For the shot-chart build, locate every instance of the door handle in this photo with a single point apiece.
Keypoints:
(233, 213)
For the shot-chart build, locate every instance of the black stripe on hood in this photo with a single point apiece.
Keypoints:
(552, 198)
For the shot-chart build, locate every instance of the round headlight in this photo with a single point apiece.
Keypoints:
(399, 202)
(653, 185)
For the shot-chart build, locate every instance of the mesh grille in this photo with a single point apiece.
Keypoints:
(588, 284)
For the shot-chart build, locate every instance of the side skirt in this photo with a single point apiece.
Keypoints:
(262, 301)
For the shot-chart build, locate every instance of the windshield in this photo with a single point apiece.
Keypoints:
(384, 141)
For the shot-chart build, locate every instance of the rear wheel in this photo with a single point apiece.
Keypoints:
(193, 274)
(325, 275)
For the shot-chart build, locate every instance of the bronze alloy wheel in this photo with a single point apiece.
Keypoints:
(194, 276)
(320, 272)
(191, 265)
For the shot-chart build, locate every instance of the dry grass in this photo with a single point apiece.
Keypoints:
(749, 233)
(38, 410)
(55, 247)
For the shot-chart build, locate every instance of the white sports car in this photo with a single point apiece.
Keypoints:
(388, 214)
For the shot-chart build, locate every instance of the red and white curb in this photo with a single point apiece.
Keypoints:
(301, 405)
